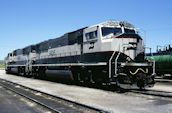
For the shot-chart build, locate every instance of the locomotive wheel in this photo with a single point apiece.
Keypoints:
(83, 76)
(35, 72)
(75, 75)
(97, 77)
(22, 71)
(87, 76)
(140, 84)
(8, 70)
(41, 72)
(27, 73)
(141, 80)
(171, 76)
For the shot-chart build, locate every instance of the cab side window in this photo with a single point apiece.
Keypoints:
(91, 35)
(11, 54)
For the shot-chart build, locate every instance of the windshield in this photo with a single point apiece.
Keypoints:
(128, 31)
(108, 30)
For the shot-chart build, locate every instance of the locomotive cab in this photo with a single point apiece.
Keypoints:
(123, 38)
(118, 44)
(10, 57)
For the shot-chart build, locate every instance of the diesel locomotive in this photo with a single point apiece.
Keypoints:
(111, 52)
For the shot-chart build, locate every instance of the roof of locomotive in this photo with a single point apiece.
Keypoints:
(115, 24)
(107, 23)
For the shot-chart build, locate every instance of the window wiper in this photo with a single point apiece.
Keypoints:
(117, 35)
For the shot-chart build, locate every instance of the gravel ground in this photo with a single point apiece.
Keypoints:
(12, 103)
(107, 100)
(167, 86)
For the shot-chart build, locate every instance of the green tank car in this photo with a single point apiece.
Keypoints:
(163, 61)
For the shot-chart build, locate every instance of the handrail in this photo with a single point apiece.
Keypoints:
(153, 64)
(116, 63)
(152, 59)
(110, 64)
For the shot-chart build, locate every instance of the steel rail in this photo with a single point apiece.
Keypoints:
(153, 93)
(34, 100)
(60, 98)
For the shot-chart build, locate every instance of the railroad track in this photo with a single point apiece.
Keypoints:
(53, 103)
(164, 80)
(153, 93)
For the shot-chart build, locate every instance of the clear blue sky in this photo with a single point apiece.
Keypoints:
(25, 22)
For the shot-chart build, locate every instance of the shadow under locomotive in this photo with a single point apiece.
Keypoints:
(64, 77)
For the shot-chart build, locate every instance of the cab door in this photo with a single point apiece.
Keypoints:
(91, 44)
(91, 40)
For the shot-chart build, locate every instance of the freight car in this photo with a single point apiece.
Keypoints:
(110, 52)
(163, 60)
